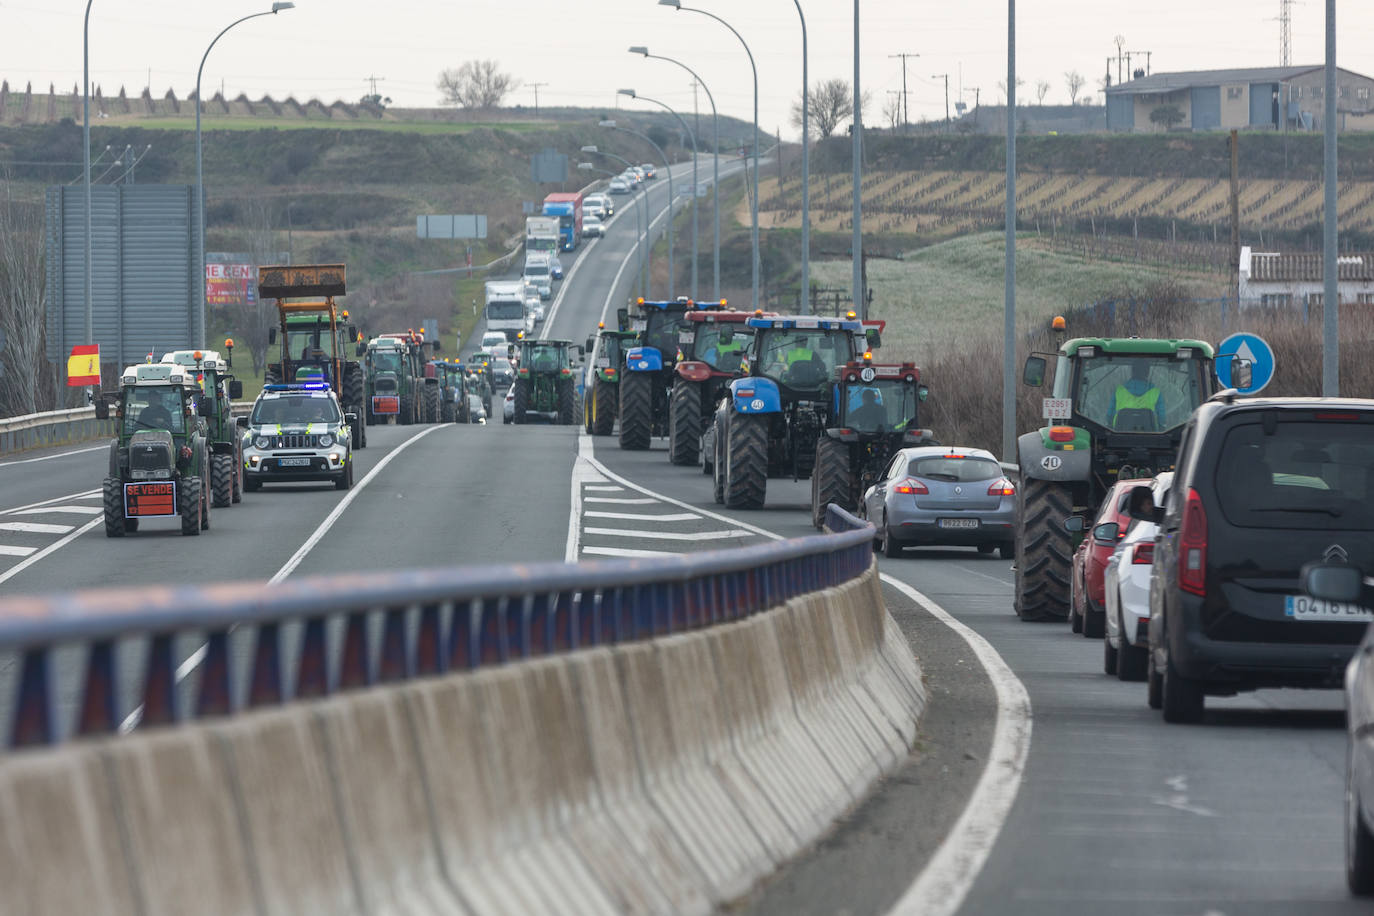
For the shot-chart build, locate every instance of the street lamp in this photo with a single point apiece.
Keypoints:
(588, 167)
(646, 255)
(667, 167)
(86, 151)
(754, 209)
(715, 160)
(200, 169)
(690, 136)
(806, 175)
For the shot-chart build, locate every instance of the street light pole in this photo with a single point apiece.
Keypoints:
(1009, 294)
(667, 167)
(690, 136)
(754, 206)
(806, 176)
(86, 154)
(200, 172)
(715, 160)
(588, 167)
(646, 254)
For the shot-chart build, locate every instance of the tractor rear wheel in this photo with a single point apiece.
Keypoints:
(746, 461)
(188, 505)
(684, 422)
(447, 411)
(830, 481)
(636, 410)
(718, 467)
(237, 495)
(222, 479)
(431, 404)
(567, 402)
(1044, 550)
(604, 408)
(407, 414)
(113, 493)
(355, 400)
(522, 399)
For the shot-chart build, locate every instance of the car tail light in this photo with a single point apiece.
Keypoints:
(1142, 554)
(610, 372)
(1002, 487)
(911, 485)
(1337, 415)
(1061, 434)
(1192, 543)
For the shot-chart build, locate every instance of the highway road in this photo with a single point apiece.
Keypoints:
(1091, 804)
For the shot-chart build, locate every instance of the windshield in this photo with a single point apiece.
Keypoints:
(1305, 474)
(295, 409)
(955, 469)
(1138, 394)
(536, 270)
(722, 345)
(803, 357)
(385, 360)
(303, 343)
(661, 327)
(544, 357)
(506, 310)
(153, 407)
(883, 405)
(537, 243)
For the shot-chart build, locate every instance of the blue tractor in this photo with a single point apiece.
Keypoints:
(646, 378)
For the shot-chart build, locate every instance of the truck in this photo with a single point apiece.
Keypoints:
(218, 390)
(315, 334)
(541, 234)
(505, 308)
(1117, 410)
(567, 206)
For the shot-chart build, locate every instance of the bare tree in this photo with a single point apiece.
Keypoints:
(1002, 87)
(1042, 89)
(22, 305)
(831, 104)
(1075, 81)
(892, 109)
(478, 84)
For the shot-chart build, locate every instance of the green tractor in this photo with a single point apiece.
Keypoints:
(393, 381)
(545, 383)
(219, 390)
(1118, 411)
(453, 391)
(160, 461)
(601, 399)
(315, 334)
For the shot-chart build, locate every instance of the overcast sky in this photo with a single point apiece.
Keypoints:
(326, 48)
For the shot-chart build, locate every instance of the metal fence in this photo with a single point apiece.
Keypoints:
(357, 630)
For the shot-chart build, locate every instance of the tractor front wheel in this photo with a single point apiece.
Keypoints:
(636, 410)
(830, 481)
(113, 493)
(222, 479)
(188, 505)
(1044, 550)
(684, 423)
(746, 461)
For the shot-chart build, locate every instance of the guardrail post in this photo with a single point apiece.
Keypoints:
(393, 665)
(491, 632)
(215, 697)
(426, 655)
(464, 639)
(567, 614)
(312, 679)
(353, 663)
(35, 717)
(98, 714)
(159, 687)
(264, 686)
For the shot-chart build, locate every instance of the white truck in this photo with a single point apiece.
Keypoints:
(506, 307)
(541, 234)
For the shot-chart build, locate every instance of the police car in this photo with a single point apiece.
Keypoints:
(297, 432)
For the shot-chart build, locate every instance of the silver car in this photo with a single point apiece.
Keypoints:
(943, 495)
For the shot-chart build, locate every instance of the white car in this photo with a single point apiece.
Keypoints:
(1126, 642)
(593, 205)
(477, 409)
(508, 412)
(592, 227)
(494, 342)
(618, 185)
(538, 274)
(603, 202)
(632, 177)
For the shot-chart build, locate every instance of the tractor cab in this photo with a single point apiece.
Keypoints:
(877, 399)
(801, 354)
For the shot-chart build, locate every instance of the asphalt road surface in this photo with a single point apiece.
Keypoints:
(1106, 809)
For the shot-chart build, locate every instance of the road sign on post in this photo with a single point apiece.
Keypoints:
(549, 167)
(1250, 347)
(451, 226)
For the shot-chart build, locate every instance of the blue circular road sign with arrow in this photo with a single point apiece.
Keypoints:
(1250, 347)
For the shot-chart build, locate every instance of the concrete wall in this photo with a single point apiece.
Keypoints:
(658, 777)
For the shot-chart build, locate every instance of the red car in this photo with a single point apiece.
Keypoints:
(1087, 608)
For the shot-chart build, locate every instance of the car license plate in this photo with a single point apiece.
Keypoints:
(1301, 607)
(294, 462)
(958, 523)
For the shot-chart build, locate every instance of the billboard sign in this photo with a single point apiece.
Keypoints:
(229, 282)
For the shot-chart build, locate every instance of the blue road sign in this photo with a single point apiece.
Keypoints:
(1247, 346)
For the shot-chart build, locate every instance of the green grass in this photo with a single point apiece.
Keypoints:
(409, 127)
(939, 297)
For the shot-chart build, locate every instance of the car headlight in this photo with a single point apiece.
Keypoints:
(326, 440)
(261, 442)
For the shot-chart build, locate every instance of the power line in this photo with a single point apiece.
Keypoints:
(906, 108)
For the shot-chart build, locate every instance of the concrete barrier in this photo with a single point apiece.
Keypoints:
(664, 776)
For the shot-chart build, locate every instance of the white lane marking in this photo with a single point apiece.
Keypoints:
(71, 510)
(17, 568)
(646, 501)
(9, 551)
(290, 565)
(940, 888)
(35, 527)
(628, 552)
(19, 510)
(590, 487)
(639, 517)
(669, 535)
(80, 451)
(582, 473)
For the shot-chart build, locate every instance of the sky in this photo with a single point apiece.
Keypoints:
(328, 48)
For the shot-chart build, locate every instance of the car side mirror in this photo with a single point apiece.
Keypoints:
(1107, 533)
(1140, 505)
(510, 351)
(241, 422)
(351, 418)
(102, 409)
(1333, 582)
(1033, 375)
(874, 338)
(235, 390)
(271, 336)
(922, 393)
(1075, 523)
(1242, 372)
(622, 319)
(590, 345)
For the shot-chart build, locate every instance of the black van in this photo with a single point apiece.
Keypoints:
(1262, 487)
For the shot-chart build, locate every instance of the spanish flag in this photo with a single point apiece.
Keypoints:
(83, 366)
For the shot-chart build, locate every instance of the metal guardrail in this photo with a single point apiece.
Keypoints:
(395, 626)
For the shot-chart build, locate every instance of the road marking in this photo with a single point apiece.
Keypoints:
(290, 566)
(602, 489)
(8, 551)
(628, 552)
(633, 517)
(35, 527)
(72, 510)
(940, 888)
(80, 451)
(646, 501)
(17, 510)
(51, 548)
(670, 535)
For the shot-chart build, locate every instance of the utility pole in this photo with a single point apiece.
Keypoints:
(1285, 33)
(373, 81)
(945, 77)
(976, 97)
(535, 87)
(906, 107)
